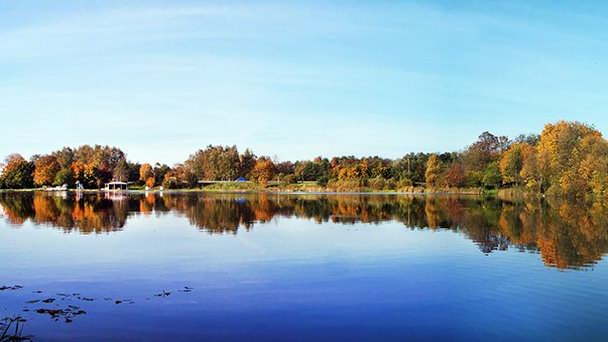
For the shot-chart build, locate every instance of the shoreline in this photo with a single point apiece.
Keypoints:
(254, 191)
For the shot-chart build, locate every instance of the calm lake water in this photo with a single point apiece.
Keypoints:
(302, 267)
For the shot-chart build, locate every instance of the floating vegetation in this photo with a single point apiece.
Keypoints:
(67, 315)
(11, 288)
(11, 327)
(163, 294)
(186, 289)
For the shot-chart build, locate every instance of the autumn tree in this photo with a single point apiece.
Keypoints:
(476, 158)
(454, 176)
(531, 172)
(247, 162)
(121, 171)
(17, 173)
(216, 163)
(316, 170)
(562, 148)
(64, 176)
(92, 166)
(45, 170)
(433, 170)
(593, 167)
(180, 176)
(146, 175)
(263, 171)
(160, 170)
(411, 167)
(184, 176)
(65, 158)
(511, 164)
(285, 171)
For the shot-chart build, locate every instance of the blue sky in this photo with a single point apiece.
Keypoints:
(294, 79)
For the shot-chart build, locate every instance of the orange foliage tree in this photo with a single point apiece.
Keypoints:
(46, 167)
(146, 174)
(263, 170)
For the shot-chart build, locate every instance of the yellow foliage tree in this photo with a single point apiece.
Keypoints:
(433, 170)
(517, 164)
(562, 148)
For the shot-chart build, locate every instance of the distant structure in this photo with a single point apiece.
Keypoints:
(116, 186)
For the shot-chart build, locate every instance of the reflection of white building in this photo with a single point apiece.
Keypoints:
(116, 186)
(115, 195)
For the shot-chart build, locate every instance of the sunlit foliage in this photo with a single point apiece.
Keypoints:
(566, 159)
(46, 168)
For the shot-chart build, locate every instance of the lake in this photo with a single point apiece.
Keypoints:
(198, 266)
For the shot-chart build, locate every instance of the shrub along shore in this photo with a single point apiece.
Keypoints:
(568, 159)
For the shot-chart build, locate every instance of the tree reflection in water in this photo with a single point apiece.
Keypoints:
(567, 235)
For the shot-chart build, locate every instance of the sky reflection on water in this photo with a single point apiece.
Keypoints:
(311, 266)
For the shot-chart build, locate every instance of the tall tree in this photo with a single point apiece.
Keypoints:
(146, 174)
(433, 170)
(511, 164)
(247, 162)
(121, 171)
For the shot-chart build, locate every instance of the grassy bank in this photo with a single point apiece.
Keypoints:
(313, 187)
(289, 188)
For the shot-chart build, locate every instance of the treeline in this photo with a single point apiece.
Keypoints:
(567, 158)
